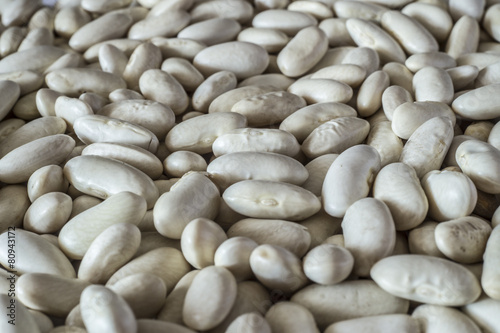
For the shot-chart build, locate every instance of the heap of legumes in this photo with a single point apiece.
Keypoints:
(249, 166)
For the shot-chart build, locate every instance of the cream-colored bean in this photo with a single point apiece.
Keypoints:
(45, 101)
(349, 178)
(479, 104)
(212, 31)
(98, 7)
(436, 318)
(421, 240)
(154, 116)
(36, 256)
(113, 25)
(178, 47)
(352, 75)
(234, 167)
(288, 235)
(234, 255)
(450, 194)
(413, 37)
(483, 313)
(474, 9)
(18, 165)
(144, 293)
(427, 279)
(369, 98)
(135, 156)
(77, 235)
(104, 310)
(25, 107)
(47, 179)
(51, 294)
(268, 109)
(368, 34)
(464, 239)
(272, 40)
(303, 52)
(364, 57)
(398, 186)
(28, 322)
(175, 209)
(494, 136)
(10, 40)
(9, 94)
(491, 272)
(214, 86)
(230, 56)
(198, 134)
(184, 72)
(488, 75)
(145, 56)
(181, 162)
(328, 264)
(463, 76)
(366, 10)
(290, 317)
(70, 109)
(427, 146)
(450, 159)
(463, 38)
(226, 100)
(241, 12)
(348, 300)
(256, 140)
(97, 128)
(48, 213)
(435, 19)
(120, 95)
(480, 161)
(302, 122)
(33, 130)
(251, 322)
(318, 10)
(336, 32)
(390, 322)
(166, 24)
(433, 84)
(199, 241)
(490, 21)
(289, 22)
(165, 262)
(385, 141)
(478, 59)
(399, 75)
(69, 19)
(277, 80)
(277, 268)
(272, 200)
(335, 136)
(110, 250)
(161, 87)
(74, 81)
(432, 59)
(209, 298)
(366, 245)
(321, 90)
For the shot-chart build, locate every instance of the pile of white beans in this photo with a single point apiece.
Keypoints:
(250, 166)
